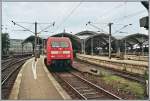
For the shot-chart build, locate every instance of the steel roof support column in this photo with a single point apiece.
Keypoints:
(92, 46)
(125, 52)
(110, 24)
(84, 45)
(35, 41)
(118, 47)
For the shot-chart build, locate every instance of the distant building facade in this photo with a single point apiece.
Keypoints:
(16, 46)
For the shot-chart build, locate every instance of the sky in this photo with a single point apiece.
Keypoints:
(72, 16)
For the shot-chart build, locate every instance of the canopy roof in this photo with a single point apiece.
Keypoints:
(135, 39)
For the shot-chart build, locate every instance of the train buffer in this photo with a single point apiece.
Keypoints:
(34, 81)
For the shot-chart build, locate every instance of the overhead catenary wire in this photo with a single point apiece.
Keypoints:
(21, 26)
(126, 16)
(47, 27)
(91, 23)
(116, 7)
(120, 29)
(74, 11)
(26, 29)
(110, 11)
(25, 22)
(69, 15)
(40, 23)
(130, 15)
(10, 19)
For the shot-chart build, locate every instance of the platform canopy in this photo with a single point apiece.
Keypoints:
(31, 39)
(134, 39)
(85, 34)
(76, 42)
(100, 41)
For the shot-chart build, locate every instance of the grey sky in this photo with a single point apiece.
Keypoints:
(97, 12)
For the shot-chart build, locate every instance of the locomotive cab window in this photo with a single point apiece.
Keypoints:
(63, 44)
(59, 44)
(55, 44)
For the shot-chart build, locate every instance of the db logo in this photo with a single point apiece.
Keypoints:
(60, 52)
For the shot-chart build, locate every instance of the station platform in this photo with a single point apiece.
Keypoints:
(117, 60)
(132, 66)
(35, 82)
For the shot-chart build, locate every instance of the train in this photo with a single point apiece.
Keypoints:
(59, 51)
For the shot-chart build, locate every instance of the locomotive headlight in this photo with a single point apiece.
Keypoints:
(68, 56)
(52, 56)
(54, 52)
(66, 52)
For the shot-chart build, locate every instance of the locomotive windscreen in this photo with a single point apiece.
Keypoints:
(62, 44)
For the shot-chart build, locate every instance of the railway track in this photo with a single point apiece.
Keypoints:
(134, 77)
(6, 59)
(9, 74)
(84, 88)
(8, 62)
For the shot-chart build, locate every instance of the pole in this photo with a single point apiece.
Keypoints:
(110, 24)
(38, 39)
(6, 47)
(92, 46)
(125, 49)
(84, 46)
(35, 41)
(44, 47)
(22, 49)
(142, 47)
(118, 48)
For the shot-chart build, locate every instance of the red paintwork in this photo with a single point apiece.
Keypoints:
(59, 56)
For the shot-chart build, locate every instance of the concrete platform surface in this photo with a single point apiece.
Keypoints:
(116, 60)
(34, 82)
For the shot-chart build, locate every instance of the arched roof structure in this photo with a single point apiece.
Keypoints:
(31, 39)
(99, 40)
(85, 34)
(101, 37)
(135, 39)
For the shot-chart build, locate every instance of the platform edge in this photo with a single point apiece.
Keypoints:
(15, 90)
(55, 83)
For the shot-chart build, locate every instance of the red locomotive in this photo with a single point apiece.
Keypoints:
(59, 51)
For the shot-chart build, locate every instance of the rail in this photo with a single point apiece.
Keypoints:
(16, 65)
(130, 76)
(84, 88)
